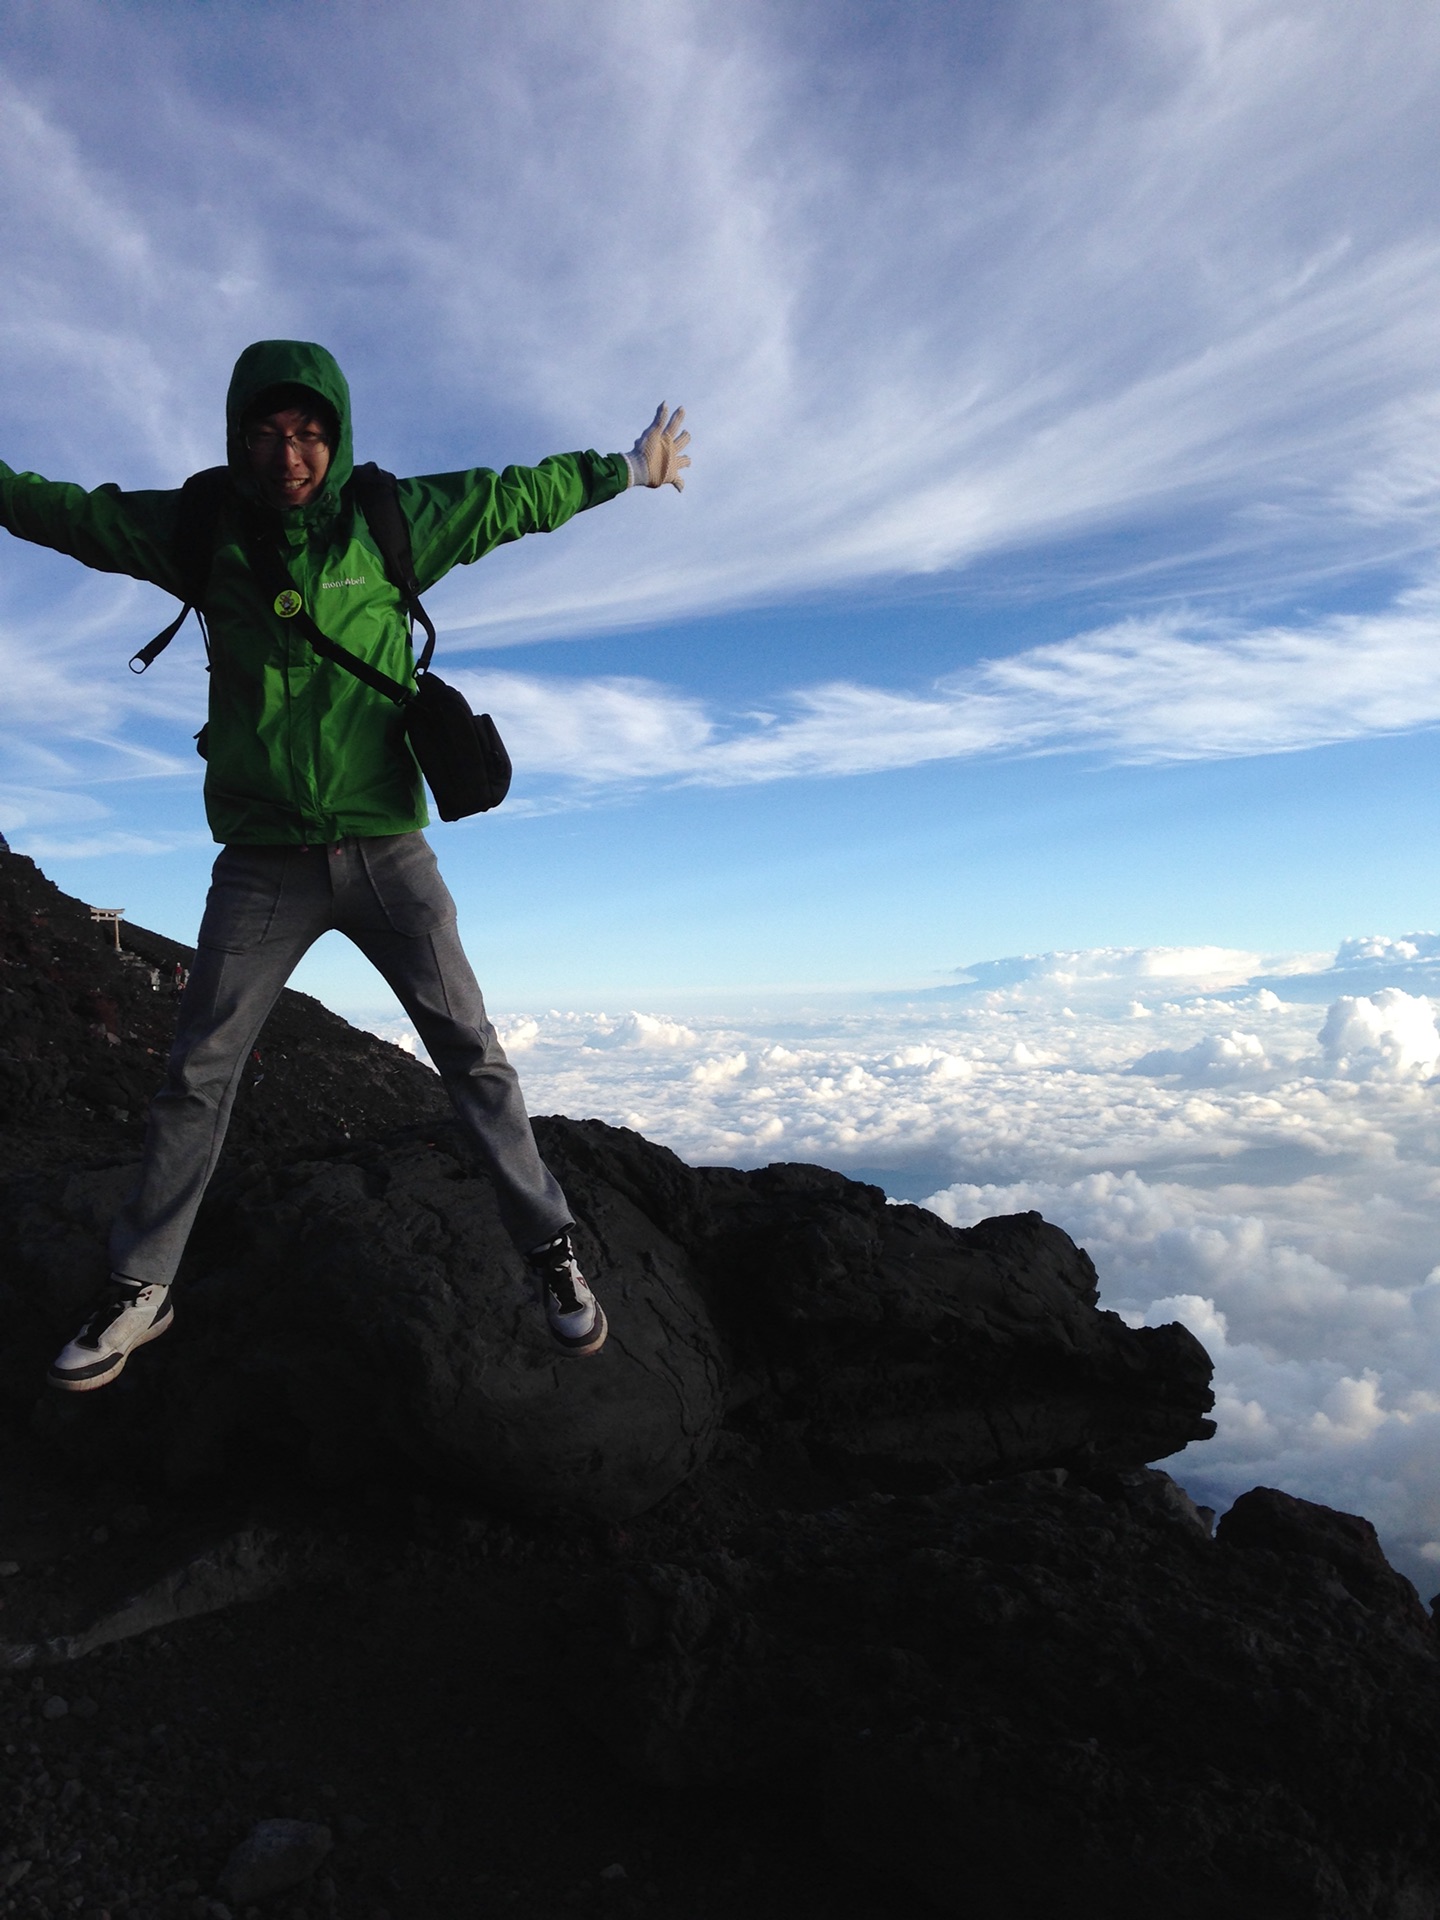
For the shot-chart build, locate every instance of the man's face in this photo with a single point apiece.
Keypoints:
(289, 456)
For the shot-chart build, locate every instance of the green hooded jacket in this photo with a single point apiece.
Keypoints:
(300, 751)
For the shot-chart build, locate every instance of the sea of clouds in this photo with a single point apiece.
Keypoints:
(1248, 1145)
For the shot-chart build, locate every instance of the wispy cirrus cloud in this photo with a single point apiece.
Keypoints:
(1166, 688)
(960, 288)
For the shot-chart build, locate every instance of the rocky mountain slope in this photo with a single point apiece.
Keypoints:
(843, 1571)
(85, 1027)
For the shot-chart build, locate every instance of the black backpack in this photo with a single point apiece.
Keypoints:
(461, 753)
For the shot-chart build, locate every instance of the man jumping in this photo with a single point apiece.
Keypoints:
(316, 799)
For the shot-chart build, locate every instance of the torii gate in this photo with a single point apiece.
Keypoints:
(109, 916)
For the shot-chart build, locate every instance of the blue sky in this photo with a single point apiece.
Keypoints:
(1057, 566)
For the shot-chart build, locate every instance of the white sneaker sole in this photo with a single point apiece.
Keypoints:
(72, 1383)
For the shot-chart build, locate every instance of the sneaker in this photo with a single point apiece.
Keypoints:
(576, 1318)
(125, 1317)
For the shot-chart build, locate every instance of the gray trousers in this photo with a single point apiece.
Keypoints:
(267, 906)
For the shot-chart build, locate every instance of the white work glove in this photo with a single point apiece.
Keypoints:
(655, 460)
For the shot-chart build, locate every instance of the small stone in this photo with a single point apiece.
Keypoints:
(100, 1536)
(12, 1875)
(217, 1910)
(613, 1872)
(84, 1708)
(275, 1855)
(55, 1708)
(69, 1794)
(183, 1886)
(7, 1567)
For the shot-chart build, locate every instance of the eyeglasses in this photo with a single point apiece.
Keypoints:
(265, 440)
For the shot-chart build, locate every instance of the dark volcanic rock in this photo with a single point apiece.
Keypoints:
(895, 1348)
(341, 1314)
(1042, 1696)
(336, 1309)
(84, 1038)
(277, 1854)
(1268, 1521)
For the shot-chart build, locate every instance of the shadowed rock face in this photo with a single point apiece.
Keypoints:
(340, 1308)
(346, 1314)
(1266, 1521)
(1046, 1695)
(84, 1038)
(908, 1349)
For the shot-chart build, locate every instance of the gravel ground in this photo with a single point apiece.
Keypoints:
(408, 1705)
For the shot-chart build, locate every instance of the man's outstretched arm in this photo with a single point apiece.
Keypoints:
(103, 527)
(455, 518)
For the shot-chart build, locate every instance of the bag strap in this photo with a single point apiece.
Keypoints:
(275, 578)
(377, 494)
(197, 521)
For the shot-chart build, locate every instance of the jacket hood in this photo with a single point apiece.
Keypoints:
(276, 363)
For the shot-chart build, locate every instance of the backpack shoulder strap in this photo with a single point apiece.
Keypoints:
(201, 499)
(377, 494)
(197, 522)
(268, 565)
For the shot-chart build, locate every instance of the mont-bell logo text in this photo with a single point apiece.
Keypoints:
(350, 580)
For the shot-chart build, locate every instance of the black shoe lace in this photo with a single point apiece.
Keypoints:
(555, 1263)
(562, 1292)
(102, 1316)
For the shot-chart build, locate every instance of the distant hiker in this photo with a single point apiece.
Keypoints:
(315, 794)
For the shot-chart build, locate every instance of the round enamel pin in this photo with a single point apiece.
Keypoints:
(287, 604)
